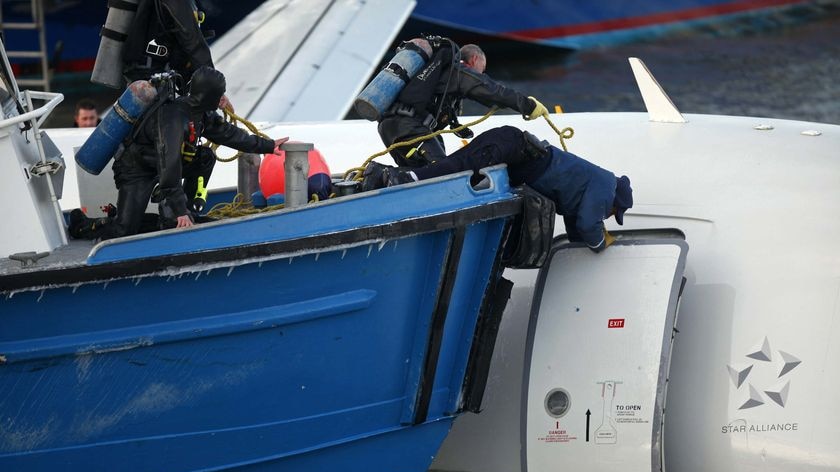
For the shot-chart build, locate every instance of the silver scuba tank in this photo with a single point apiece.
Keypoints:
(108, 70)
(383, 90)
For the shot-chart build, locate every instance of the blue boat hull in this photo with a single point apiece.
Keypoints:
(343, 349)
(566, 24)
(75, 26)
(573, 25)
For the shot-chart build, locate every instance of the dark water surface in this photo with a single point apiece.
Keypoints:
(790, 72)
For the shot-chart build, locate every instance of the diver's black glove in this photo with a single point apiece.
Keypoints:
(465, 133)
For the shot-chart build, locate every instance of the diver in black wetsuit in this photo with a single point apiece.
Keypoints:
(163, 149)
(431, 101)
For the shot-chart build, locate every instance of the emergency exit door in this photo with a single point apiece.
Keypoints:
(597, 357)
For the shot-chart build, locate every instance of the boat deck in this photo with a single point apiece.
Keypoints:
(74, 254)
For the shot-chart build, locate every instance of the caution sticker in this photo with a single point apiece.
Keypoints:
(556, 435)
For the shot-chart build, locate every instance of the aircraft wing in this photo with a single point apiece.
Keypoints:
(306, 60)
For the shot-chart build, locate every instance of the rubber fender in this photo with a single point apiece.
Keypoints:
(320, 185)
(258, 199)
(103, 143)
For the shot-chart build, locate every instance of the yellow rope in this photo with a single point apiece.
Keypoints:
(233, 118)
(565, 133)
(241, 206)
(418, 139)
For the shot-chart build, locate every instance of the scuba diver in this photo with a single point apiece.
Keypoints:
(162, 149)
(582, 192)
(165, 35)
(432, 99)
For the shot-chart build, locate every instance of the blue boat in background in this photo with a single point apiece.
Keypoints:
(345, 334)
(576, 25)
(72, 26)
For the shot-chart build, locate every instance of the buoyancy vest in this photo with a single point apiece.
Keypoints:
(147, 26)
(423, 91)
(152, 44)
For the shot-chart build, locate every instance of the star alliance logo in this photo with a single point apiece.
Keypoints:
(763, 359)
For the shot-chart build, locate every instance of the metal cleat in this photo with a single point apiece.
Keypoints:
(29, 258)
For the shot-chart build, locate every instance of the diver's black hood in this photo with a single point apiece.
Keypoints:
(206, 88)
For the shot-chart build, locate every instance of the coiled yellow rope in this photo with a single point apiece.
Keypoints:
(416, 140)
(233, 118)
(241, 206)
(565, 133)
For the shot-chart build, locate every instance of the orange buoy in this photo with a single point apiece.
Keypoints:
(273, 175)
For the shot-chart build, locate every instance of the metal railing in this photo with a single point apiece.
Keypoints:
(37, 24)
(40, 113)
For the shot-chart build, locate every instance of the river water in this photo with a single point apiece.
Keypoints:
(789, 71)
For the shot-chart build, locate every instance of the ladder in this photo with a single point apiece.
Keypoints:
(37, 25)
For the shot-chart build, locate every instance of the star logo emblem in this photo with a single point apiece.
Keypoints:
(763, 357)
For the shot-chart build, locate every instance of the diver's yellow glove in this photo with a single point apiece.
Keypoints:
(608, 238)
(539, 110)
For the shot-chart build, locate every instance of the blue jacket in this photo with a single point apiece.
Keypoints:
(582, 192)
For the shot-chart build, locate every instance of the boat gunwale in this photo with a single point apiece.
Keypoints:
(32, 280)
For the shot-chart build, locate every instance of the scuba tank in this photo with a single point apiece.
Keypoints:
(107, 70)
(383, 90)
(103, 143)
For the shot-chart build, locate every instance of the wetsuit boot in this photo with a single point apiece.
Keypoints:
(82, 227)
(372, 176)
(398, 176)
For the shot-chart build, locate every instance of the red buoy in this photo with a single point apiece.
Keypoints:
(273, 175)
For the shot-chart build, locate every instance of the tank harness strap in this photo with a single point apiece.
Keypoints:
(119, 110)
(111, 34)
(402, 109)
(141, 65)
(122, 5)
(415, 48)
(163, 97)
(398, 71)
(408, 111)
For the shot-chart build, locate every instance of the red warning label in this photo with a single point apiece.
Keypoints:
(615, 323)
(557, 436)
